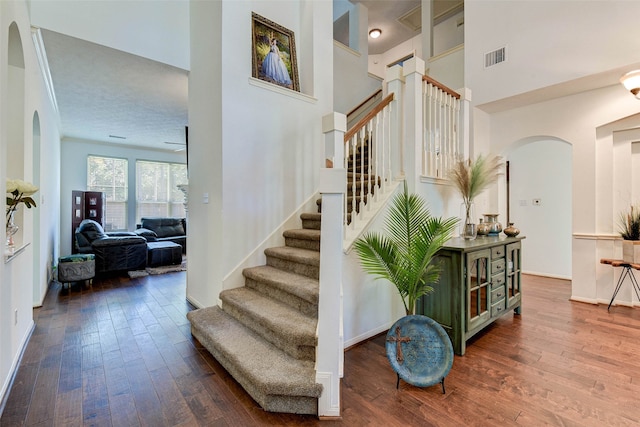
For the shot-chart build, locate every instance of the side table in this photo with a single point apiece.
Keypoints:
(76, 268)
(628, 272)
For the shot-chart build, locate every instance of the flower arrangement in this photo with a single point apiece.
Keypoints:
(20, 192)
(630, 223)
(472, 177)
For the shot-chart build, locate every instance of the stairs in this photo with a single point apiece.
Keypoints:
(265, 333)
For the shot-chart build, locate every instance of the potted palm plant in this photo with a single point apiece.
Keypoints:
(404, 254)
(472, 177)
(630, 232)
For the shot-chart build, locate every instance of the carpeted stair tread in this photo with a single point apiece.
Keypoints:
(302, 233)
(296, 260)
(302, 287)
(274, 379)
(280, 324)
(311, 221)
(273, 314)
(303, 256)
(302, 238)
(313, 216)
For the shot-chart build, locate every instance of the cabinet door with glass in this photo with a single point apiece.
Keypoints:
(478, 288)
(513, 276)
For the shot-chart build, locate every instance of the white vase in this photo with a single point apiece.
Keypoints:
(631, 251)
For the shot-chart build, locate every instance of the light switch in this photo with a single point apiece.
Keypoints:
(205, 198)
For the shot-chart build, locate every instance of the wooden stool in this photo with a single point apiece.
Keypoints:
(627, 272)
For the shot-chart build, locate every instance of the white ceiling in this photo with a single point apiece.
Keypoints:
(102, 91)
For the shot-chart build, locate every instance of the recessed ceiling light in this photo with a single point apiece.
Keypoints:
(375, 33)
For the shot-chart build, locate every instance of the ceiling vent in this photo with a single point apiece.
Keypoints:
(412, 19)
(495, 57)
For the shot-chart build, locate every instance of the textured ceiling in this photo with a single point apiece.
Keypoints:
(384, 15)
(387, 15)
(102, 91)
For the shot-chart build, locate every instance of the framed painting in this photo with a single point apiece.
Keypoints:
(274, 53)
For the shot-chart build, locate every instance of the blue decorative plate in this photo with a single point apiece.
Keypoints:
(419, 350)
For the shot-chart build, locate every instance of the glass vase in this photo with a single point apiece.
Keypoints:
(12, 229)
(468, 227)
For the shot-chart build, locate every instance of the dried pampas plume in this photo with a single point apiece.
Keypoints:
(472, 177)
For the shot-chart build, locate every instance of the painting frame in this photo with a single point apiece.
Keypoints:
(276, 64)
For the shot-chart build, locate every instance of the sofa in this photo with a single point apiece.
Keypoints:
(162, 229)
(114, 251)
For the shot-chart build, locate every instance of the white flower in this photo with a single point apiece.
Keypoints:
(22, 187)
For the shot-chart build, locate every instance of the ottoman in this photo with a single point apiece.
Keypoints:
(163, 253)
(76, 268)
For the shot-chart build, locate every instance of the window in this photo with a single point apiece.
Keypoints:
(157, 193)
(109, 175)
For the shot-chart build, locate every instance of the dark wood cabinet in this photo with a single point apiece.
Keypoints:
(480, 282)
(86, 205)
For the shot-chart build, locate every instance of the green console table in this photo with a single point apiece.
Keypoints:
(480, 282)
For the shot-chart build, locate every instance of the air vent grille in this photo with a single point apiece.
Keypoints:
(495, 57)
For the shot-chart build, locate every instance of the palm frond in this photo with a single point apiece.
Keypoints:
(405, 253)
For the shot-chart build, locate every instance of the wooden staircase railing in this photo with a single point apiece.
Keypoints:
(368, 161)
(441, 117)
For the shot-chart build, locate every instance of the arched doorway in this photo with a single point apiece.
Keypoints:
(540, 202)
(15, 97)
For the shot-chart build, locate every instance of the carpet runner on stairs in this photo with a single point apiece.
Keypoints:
(265, 333)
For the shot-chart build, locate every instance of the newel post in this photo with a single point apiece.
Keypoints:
(413, 72)
(395, 80)
(465, 123)
(330, 350)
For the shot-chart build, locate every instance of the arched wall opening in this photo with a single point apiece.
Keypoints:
(15, 98)
(540, 203)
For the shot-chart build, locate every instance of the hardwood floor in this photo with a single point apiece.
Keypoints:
(121, 354)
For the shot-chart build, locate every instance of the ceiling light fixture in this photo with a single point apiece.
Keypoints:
(631, 81)
(375, 33)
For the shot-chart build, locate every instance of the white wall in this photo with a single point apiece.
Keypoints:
(548, 42)
(448, 34)
(541, 169)
(158, 30)
(378, 63)
(577, 120)
(74, 176)
(21, 282)
(352, 84)
(447, 67)
(259, 158)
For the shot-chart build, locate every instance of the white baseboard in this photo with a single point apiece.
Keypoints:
(8, 382)
(365, 336)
